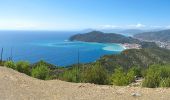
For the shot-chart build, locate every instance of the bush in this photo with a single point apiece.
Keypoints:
(23, 67)
(152, 77)
(95, 74)
(119, 77)
(71, 75)
(157, 75)
(40, 72)
(131, 76)
(10, 64)
(132, 73)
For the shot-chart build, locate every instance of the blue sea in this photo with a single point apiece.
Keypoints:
(52, 47)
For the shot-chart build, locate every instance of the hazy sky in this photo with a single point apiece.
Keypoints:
(82, 14)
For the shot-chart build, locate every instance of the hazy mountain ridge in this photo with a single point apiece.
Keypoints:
(163, 36)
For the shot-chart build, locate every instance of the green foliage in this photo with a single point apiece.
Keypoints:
(157, 75)
(131, 76)
(119, 77)
(142, 58)
(152, 78)
(23, 67)
(90, 74)
(165, 82)
(95, 74)
(71, 75)
(40, 72)
(132, 73)
(10, 64)
(41, 62)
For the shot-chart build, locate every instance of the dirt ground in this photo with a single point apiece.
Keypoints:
(18, 86)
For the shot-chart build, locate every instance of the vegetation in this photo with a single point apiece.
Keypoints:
(157, 76)
(40, 72)
(121, 77)
(41, 62)
(96, 74)
(142, 58)
(154, 76)
(23, 67)
(71, 75)
(150, 63)
(10, 64)
(91, 74)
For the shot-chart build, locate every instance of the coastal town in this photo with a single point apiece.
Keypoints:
(132, 46)
(165, 45)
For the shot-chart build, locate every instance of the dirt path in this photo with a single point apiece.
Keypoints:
(18, 86)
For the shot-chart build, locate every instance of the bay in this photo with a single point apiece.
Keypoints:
(53, 47)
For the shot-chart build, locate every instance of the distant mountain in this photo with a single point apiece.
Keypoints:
(131, 32)
(97, 36)
(163, 36)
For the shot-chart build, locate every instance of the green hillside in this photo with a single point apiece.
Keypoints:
(133, 57)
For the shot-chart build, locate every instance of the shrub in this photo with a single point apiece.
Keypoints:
(2, 63)
(132, 73)
(10, 64)
(40, 72)
(95, 74)
(157, 75)
(70, 75)
(131, 76)
(119, 77)
(152, 77)
(23, 67)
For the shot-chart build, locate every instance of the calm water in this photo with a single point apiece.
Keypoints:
(52, 47)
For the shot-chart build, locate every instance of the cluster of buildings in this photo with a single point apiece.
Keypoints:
(161, 44)
(132, 46)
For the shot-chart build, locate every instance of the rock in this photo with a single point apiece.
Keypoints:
(136, 94)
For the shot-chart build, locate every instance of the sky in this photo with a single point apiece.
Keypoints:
(83, 14)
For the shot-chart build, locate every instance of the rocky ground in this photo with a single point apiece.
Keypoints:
(18, 86)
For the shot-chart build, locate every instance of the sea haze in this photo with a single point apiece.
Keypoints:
(52, 47)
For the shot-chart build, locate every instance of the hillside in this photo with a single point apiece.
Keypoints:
(134, 57)
(18, 86)
(96, 36)
(163, 36)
